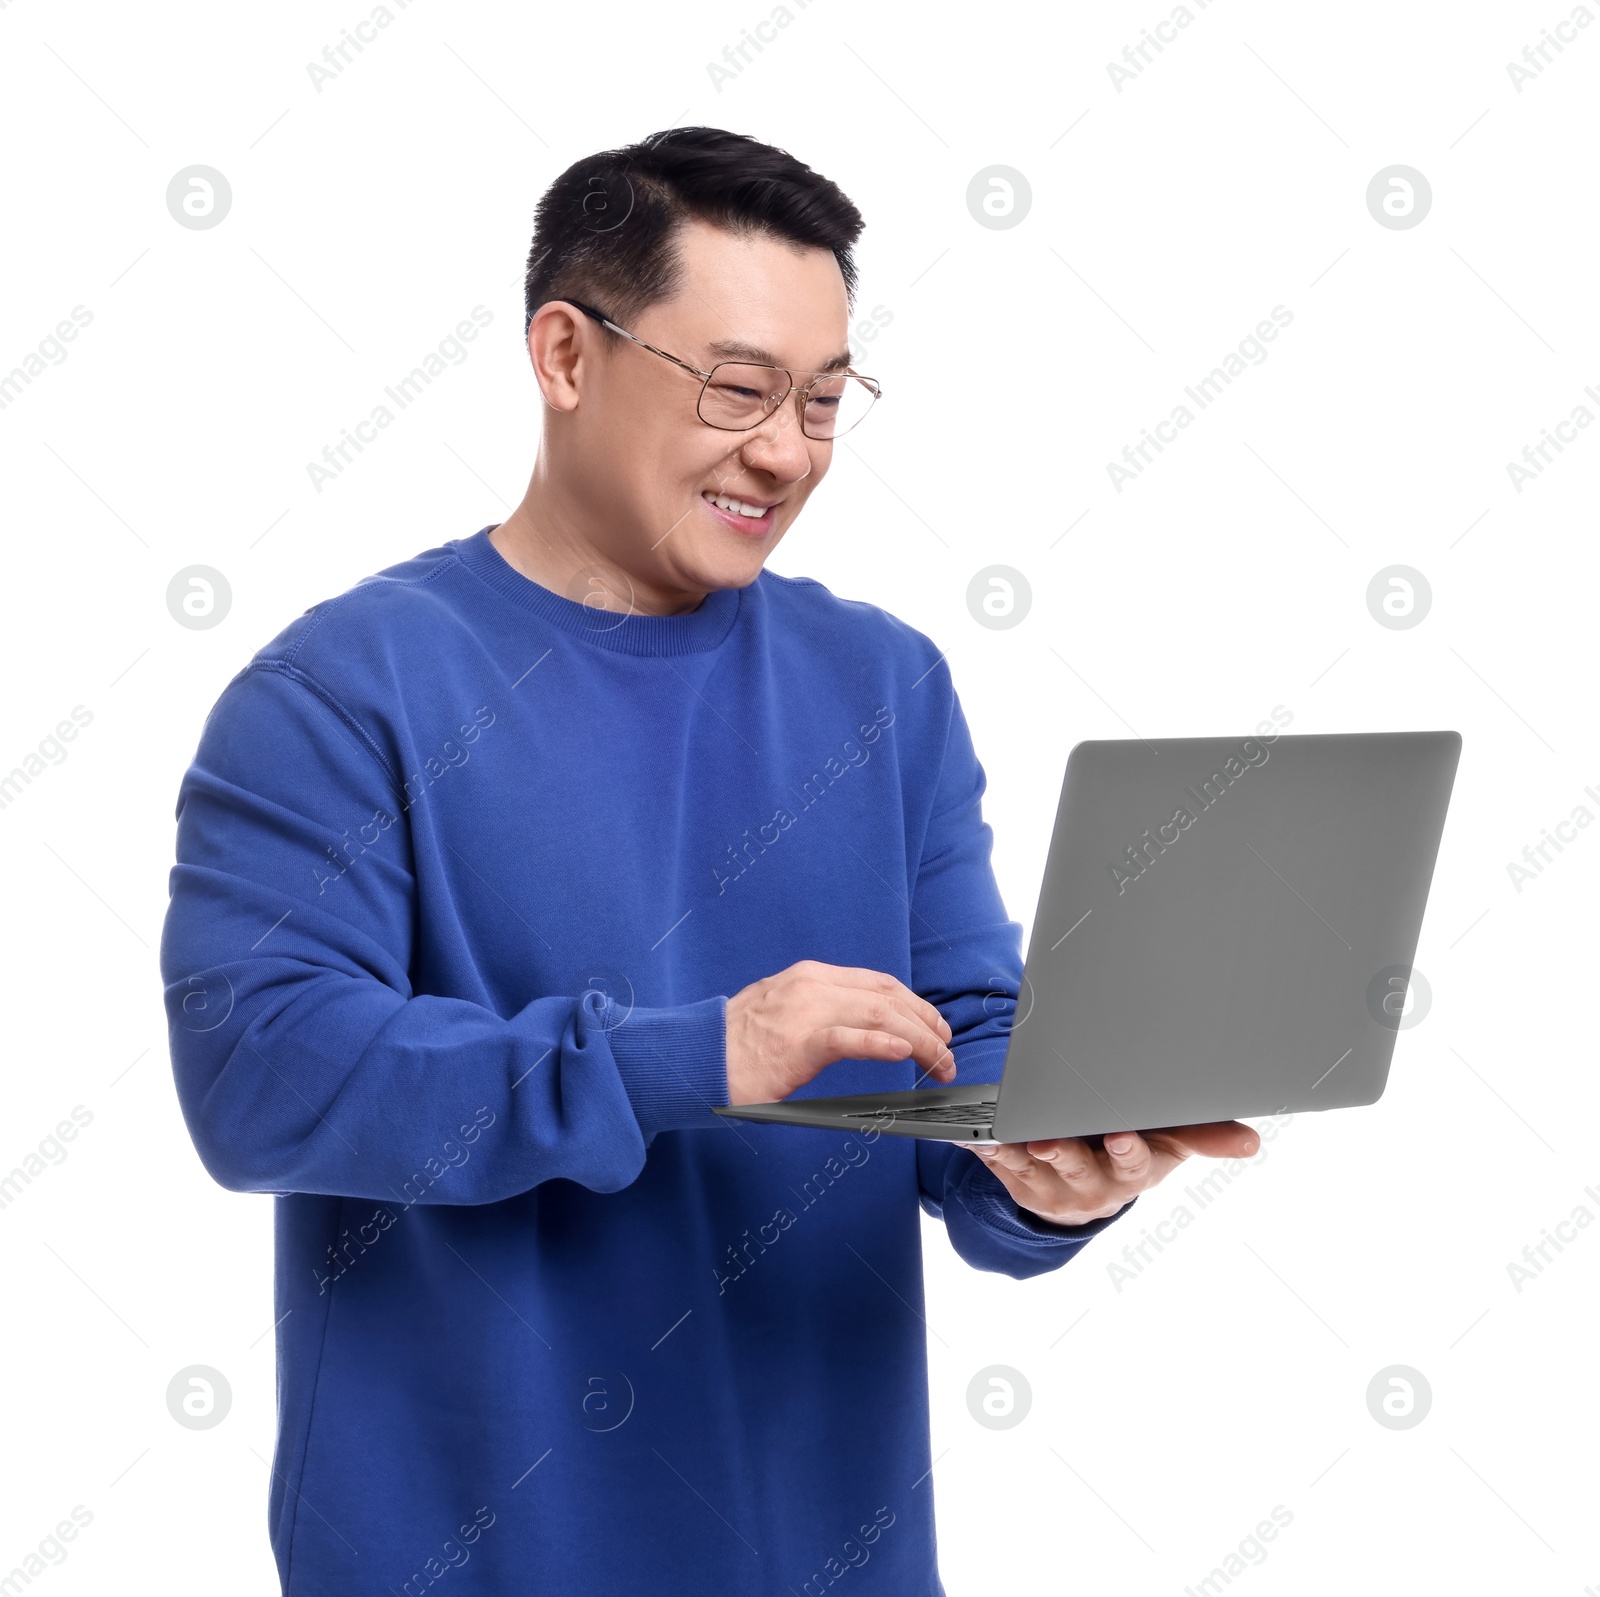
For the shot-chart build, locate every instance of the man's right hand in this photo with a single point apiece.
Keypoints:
(783, 1029)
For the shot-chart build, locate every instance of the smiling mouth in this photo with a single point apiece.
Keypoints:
(751, 508)
(750, 517)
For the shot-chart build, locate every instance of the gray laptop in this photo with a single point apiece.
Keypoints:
(1225, 928)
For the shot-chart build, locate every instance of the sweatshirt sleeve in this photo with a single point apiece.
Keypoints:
(305, 1062)
(966, 958)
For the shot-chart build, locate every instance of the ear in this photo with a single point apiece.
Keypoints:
(562, 342)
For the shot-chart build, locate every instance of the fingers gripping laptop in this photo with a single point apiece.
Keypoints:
(1225, 928)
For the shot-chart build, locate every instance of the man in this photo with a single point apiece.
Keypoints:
(498, 872)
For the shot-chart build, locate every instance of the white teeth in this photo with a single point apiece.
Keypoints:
(736, 506)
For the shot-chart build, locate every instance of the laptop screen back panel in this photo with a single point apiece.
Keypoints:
(1225, 929)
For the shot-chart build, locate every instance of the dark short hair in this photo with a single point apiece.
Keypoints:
(605, 231)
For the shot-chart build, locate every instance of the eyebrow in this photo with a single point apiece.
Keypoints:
(737, 349)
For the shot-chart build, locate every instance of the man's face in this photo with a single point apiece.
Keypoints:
(646, 468)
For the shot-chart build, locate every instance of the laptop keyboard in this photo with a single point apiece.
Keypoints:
(944, 1114)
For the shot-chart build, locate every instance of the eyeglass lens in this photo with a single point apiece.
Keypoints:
(738, 396)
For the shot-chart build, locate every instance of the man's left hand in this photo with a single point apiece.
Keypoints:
(1073, 1180)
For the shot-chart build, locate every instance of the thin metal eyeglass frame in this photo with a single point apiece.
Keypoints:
(875, 387)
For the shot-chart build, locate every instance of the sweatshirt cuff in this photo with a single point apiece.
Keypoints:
(985, 1195)
(673, 1064)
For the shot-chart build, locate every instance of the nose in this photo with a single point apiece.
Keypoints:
(778, 446)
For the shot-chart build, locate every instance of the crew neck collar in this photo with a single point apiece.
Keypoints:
(693, 632)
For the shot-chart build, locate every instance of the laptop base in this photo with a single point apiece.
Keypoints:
(943, 1114)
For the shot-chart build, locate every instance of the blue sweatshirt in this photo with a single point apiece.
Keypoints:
(466, 874)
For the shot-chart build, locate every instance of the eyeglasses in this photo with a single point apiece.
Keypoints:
(739, 395)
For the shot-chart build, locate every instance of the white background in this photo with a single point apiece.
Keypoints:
(1169, 217)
